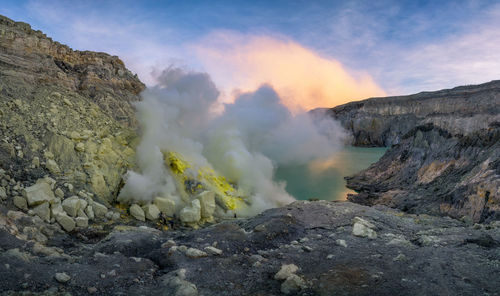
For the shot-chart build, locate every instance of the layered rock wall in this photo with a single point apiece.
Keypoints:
(383, 121)
(443, 156)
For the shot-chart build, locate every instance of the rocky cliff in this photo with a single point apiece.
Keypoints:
(444, 151)
(384, 121)
(65, 114)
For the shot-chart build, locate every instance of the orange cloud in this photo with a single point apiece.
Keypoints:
(303, 79)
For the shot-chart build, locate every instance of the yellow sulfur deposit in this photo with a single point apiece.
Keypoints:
(226, 194)
(176, 163)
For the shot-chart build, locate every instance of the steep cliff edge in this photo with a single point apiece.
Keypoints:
(383, 121)
(444, 157)
(64, 114)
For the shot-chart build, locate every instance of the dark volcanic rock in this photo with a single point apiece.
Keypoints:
(410, 255)
(432, 172)
(444, 151)
(383, 121)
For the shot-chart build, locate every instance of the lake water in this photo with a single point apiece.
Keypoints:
(324, 179)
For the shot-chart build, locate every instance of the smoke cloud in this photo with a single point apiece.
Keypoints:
(244, 143)
(303, 79)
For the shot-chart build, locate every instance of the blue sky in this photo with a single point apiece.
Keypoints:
(404, 46)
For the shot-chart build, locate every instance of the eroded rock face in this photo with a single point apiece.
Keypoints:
(384, 121)
(64, 113)
(443, 151)
(434, 172)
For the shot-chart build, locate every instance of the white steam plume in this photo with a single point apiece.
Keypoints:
(244, 143)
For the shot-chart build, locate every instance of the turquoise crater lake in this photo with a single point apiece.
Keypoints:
(324, 179)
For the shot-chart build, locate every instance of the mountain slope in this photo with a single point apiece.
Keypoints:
(444, 151)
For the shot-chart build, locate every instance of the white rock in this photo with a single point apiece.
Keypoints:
(56, 208)
(137, 212)
(35, 162)
(165, 205)
(151, 211)
(100, 210)
(286, 271)
(38, 193)
(292, 284)
(207, 203)
(52, 166)
(341, 242)
(62, 277)
(3, 193)
(59, 193)
(72, 204)
(191, 214)
(90, 212)
(81, 213)
(186, 289)
(116, 216)
(43, 211)
(65, 221)
(213, 251)
(20, 202)
(195, 253)
(363, 228)
(82, 222)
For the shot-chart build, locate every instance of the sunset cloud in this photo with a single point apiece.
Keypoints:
(303, 79)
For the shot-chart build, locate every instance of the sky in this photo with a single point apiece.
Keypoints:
(314, 53)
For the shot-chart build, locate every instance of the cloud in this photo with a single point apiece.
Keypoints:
(303, 79)
(469, 57)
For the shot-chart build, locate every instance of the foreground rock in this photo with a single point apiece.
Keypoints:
(264, 255)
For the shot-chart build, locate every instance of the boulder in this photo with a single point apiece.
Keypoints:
(65, 221)
(151, 211)
(292, 284)
(82, 221)
(207, 203)
(59, 193)
(62, 277)
(52, 166)
(137, 212)
(90, 212)
(20, 202)
(38, 193)
(100, 210)
(165, 205)
(285, 271)
(43, 211)
(3, 193)
(195, 253)
(191, 214)
(73, 204)
(213, 250)
(363, 228)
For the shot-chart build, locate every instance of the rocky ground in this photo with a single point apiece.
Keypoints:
(307, 248)
(68, 133)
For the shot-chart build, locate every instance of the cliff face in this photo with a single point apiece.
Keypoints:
(63, 113)
(29, 60)
(444, 155)
(383, 121)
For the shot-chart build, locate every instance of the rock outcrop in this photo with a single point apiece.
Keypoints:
(64, 113)
(378, 122)
(444, 151)
(306, 248)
